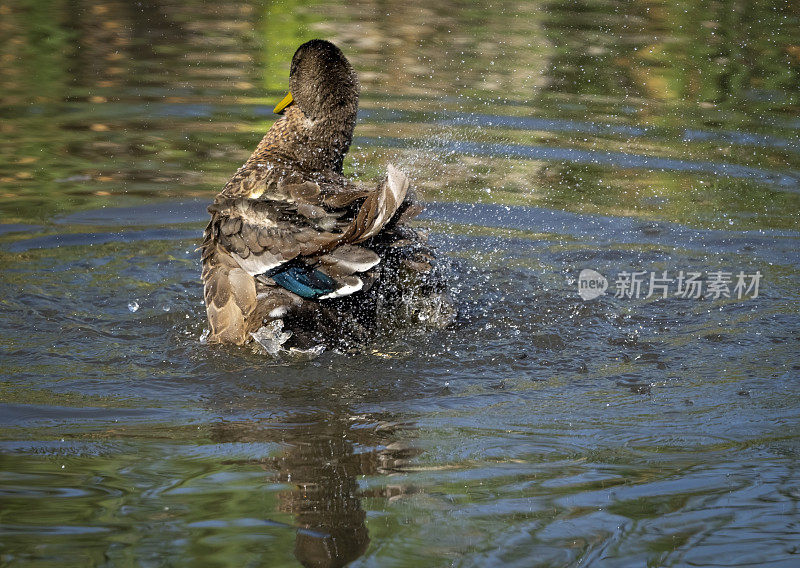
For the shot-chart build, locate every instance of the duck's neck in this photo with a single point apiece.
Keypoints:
(311, 146)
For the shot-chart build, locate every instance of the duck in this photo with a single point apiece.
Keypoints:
(296, 255)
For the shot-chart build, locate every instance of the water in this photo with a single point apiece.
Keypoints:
(540, 429)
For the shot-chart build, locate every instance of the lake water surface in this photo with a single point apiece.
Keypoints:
(540, 429)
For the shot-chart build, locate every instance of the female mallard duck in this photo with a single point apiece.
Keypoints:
(294, 245)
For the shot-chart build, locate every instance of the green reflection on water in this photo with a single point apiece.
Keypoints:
(111, 103)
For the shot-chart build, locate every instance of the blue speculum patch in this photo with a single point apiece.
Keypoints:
(305, 281)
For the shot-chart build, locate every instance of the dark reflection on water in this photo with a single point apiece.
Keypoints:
(325, 455)
(324, 501)
(540, 429)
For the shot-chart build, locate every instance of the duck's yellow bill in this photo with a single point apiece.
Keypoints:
(287, 100)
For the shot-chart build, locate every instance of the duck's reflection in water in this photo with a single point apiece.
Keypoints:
(324, 456)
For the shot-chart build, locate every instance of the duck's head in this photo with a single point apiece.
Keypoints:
(322, 82)
(324, 86)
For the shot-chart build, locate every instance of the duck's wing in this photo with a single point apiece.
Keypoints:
(229, 293)
(341, 271)
(263, 234)
(306, 242)
(379, 207)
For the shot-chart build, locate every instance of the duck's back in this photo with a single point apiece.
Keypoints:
(296, 247)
